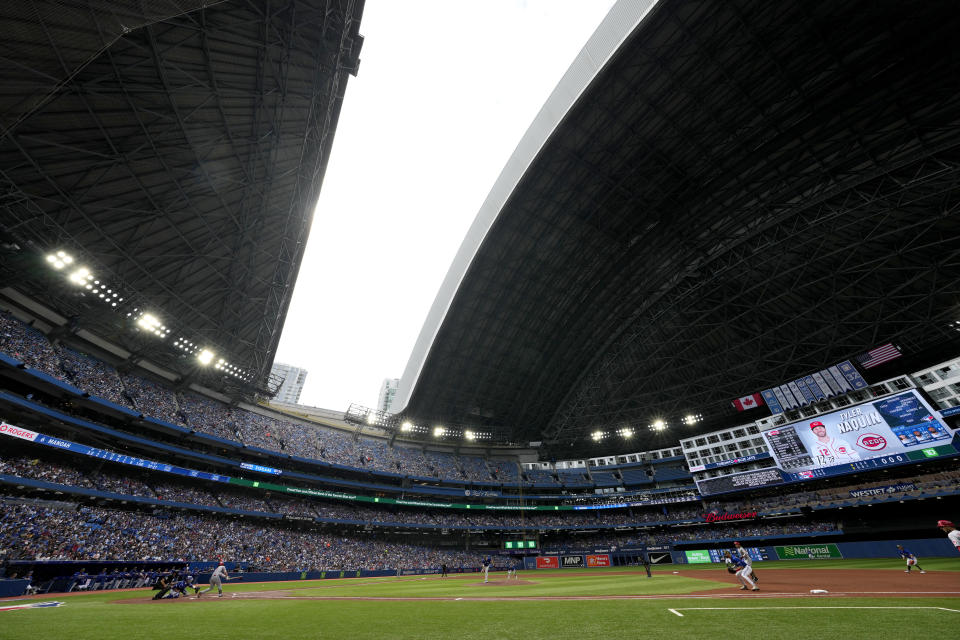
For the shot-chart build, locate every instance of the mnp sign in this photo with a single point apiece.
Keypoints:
(571, 562)
(809, 552)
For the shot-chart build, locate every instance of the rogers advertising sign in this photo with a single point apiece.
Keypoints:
(548, 562)
(17, 432)
(598, 561)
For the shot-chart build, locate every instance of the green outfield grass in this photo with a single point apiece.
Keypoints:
(97, 616)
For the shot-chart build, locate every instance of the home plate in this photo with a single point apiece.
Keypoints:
(459, 598)
(819, 591)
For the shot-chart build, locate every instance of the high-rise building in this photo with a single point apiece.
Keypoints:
(293, 379)
(388, 391)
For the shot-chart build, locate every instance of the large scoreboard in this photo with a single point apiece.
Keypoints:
(895, 430)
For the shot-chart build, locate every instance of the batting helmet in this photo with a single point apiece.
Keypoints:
(944, 523)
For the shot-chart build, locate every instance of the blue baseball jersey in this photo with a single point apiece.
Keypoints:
(905, 553)
(738, 562)
(486, 562)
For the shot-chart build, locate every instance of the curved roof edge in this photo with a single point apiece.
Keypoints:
(622, 19)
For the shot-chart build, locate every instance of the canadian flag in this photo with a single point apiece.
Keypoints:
(752, 401)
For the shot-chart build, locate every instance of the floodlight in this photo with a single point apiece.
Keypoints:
(59, 259)
(658, 425)
(406, 426)
(469, 435)
(80, 276)
(438, 432)
(205, 357)
(148, 321)
(626, 433)
(597, 436)
(371, 418)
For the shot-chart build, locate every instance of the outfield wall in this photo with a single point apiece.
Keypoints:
(922, 547)
(580, 558)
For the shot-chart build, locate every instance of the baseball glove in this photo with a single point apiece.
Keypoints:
(731, 569)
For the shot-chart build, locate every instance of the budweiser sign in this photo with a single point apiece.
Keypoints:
(723, 517)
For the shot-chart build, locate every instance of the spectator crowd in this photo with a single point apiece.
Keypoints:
(30, 531)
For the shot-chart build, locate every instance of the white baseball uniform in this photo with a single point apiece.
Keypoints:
(215, 580)
(834, 451)
(744, 576)
(954, 537)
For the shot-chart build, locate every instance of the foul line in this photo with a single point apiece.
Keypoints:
(814, 608)
(291, 594)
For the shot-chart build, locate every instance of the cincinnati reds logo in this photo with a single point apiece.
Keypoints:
(872, 442)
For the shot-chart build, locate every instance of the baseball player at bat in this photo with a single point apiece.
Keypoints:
(219, 574)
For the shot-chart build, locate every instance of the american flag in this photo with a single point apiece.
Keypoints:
(878, 356)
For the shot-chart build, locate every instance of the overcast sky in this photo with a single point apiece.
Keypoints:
(445, 90)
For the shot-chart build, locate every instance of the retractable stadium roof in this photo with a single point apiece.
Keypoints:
(717, 198)
(175, 149)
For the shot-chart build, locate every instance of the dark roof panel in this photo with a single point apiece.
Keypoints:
(180, 157)
(747, 192)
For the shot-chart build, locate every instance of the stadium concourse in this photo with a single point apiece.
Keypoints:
(709, 306)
